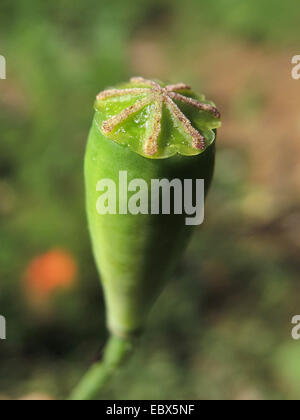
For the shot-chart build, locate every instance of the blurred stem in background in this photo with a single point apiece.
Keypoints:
(116, 352)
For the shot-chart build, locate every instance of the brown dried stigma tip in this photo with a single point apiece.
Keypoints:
(156, 95)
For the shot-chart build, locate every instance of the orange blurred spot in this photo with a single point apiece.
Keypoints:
(49, 272)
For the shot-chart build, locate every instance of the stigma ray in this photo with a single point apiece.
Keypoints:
(111, 93)
(190, 101)
(198, 139)
(109, 125)
(151, 143)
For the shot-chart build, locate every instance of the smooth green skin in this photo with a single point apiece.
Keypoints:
(136, 254)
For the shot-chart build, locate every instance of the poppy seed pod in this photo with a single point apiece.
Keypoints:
(144, 132)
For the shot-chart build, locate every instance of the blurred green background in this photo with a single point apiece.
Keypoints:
(222, 328)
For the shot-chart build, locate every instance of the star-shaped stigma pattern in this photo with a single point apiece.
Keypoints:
(149, 92)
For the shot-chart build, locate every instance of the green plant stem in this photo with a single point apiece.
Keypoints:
(117, 351)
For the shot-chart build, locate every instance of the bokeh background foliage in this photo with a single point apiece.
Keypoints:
(222, 327)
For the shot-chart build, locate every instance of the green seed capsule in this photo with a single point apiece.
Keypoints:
(143, 130)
